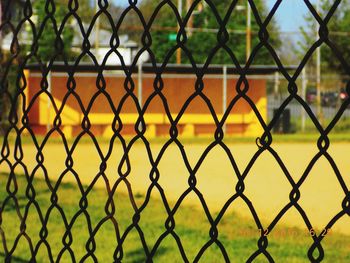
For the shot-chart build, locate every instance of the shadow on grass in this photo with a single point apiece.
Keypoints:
(13, 259)
(22, 200)
(238, 235)
(138, 255)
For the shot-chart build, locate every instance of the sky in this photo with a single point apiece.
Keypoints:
(290, 15)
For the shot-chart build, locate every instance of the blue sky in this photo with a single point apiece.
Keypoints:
(290, 15)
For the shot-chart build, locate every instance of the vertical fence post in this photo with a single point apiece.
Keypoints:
(303, 95)
(224, 93)
(139, 89)
(178, 50)
(97, 33)
(49, 90)
(318, 70)
(276, 85)
(139, 86)
(248, 32)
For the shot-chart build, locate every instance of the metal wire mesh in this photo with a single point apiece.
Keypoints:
(20, 124)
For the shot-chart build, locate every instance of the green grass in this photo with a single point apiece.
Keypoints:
(238, 235)
(307, 137)
(341, 127)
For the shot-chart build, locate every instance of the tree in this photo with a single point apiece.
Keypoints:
(338, 28)
(46, 43)
(87, 10)
(200, 42)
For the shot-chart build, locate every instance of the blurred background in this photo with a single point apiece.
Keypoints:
(73, 81)
(292, 32)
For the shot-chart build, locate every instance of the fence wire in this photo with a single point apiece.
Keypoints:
(19, 124)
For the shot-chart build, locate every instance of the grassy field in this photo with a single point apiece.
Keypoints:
(266, 187)
(238, 235)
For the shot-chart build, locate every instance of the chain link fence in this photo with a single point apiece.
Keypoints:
(17, 125)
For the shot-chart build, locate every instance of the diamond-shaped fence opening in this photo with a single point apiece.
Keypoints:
(98, 157)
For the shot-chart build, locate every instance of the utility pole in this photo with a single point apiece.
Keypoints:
(303, 96)
(97, 33)
(276, 85)
(178, 51)
(224, 93)
(249, 31)
(190, 20)
(318, 70)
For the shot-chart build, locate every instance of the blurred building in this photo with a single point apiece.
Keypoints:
(178, 85)
(127, 48)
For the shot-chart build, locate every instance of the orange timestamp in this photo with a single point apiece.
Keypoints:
(282, 233)
(293, 233)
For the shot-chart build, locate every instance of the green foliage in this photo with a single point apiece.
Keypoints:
(337, 25)
(339, 132)
(85, 11)
(200, 43)
(47, 49)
